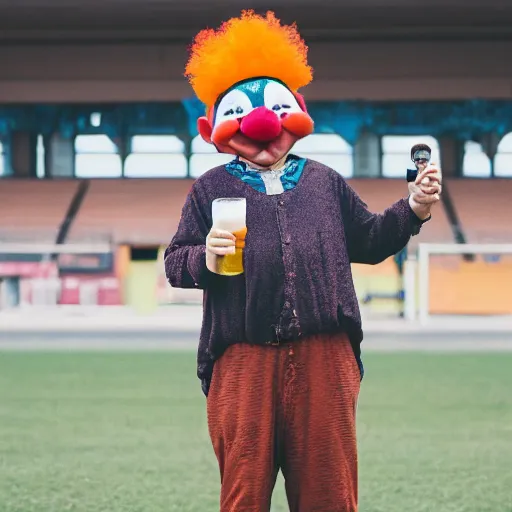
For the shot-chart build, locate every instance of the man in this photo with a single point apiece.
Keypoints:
(420, 155)
(279, 352)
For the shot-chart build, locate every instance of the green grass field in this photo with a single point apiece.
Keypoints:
(112, 432)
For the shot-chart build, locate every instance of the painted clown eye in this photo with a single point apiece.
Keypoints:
(232, 106)
(277, 108)
(231, 112)
(280, 99)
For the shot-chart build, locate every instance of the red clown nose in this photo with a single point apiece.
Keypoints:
(261, 125)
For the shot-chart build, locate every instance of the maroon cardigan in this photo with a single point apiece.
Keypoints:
(297, 280)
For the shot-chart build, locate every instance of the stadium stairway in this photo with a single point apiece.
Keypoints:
(451, 213)
(73, 209)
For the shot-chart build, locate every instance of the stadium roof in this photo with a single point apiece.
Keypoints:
(118, 20)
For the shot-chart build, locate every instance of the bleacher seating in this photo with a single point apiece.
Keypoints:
(147, 211)
(133, 211)
(484, 208)
(34, 209)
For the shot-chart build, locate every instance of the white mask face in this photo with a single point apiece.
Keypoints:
(234, 105)
(280, 99)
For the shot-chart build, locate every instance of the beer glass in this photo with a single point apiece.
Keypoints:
(229, 214)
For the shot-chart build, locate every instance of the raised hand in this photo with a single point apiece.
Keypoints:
(425, 191)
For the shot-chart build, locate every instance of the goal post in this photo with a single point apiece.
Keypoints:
(420, 272)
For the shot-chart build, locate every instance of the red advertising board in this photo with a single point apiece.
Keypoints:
(34, 269)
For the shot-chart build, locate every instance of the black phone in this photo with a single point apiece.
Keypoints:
(412, 174)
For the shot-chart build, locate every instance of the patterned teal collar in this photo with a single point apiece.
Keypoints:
(292, 172)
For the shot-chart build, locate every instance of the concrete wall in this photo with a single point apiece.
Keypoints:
(419, 70)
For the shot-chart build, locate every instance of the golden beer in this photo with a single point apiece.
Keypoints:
(229, 214)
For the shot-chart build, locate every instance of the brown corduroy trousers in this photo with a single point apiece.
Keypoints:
(291, 407)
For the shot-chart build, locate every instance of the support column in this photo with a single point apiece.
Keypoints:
(23, 154)
(489, 142)
(452, 155)
(367, 156)
(60, 157)
(123, 144)
(187, 140)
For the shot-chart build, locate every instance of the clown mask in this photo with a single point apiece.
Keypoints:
(257, 119)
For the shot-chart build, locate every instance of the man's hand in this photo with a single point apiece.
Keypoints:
(425, 191)
(218, 243)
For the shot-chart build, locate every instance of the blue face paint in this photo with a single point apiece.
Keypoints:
(253, 88)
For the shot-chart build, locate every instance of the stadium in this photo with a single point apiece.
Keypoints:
(100, 406)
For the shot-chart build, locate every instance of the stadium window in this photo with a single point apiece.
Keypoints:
(329, 149)
(40, 160)
(396, 153)
(476, 164)
(204, 157)
(96, 156)
(156, 156)
(503, 158)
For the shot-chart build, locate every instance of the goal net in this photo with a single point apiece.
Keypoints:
(472, 280)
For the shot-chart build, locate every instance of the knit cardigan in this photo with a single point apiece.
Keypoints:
(297, 278)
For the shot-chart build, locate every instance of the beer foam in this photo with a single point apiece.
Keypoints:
(229, 214)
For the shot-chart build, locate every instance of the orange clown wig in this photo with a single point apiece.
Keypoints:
(243, 48)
